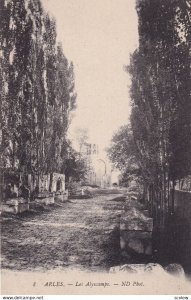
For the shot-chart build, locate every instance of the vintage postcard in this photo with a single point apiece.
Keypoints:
(95, 146)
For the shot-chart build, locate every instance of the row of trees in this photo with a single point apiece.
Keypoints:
(37, 91)
(160, 122)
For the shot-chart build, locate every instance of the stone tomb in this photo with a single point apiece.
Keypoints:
(58, 187)
(45, 198)
(15, 206)
(135, 231)
(57, 193)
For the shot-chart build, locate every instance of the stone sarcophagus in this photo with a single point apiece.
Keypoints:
(15, 206)
(45, 198)
(56, 185)
(135, 231)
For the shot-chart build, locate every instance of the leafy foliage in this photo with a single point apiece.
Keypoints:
(37, 88)
(161, 98)
(160, 70)
(122, 153)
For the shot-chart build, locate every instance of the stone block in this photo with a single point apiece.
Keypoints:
(46, 200)
(63, 197)
(152, 268)
(15, 206)
(135, 220)
(128, 268)
(136, 242)
(135, 230)
(58, 197)
(175, 270)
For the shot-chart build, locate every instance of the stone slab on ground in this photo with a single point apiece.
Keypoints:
(150, 268)
(138, 268)
(175, 269)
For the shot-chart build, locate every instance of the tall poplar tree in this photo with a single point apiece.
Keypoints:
(161, 104)
(37, 91)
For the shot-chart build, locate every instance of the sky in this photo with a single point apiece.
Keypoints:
(98, 36)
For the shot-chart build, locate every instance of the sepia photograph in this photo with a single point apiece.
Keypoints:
(95, 147)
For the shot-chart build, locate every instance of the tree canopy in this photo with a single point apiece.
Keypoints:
(160, 70)
(37, 90)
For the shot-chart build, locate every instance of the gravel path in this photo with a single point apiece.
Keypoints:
(79, 234)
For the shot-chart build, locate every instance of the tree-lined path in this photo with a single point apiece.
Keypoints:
(80, 233)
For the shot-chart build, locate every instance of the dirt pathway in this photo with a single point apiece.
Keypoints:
(79, 234)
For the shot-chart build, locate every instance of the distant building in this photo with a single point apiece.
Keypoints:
(100, 173)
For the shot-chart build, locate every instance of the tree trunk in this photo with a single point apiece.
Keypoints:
(51, 181)
(173, 189)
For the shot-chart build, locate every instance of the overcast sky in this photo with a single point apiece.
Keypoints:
(98, 36)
